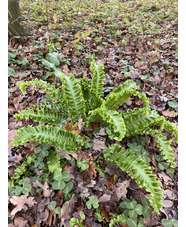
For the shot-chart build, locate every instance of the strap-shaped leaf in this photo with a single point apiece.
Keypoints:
(92, 100)
(54, 136)
(138, 120)
(166, 149)
(97, 78)
(115, 124)
(173, 130)
(163, 144)
(129, 85)
(115, 99)
(137, 169)
(43, 115)
(73, 97)
(50, 89)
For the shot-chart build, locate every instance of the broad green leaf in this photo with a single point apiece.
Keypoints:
(131, 223)
(141, 223)
(58, 185)
(26, 189)
(138, 209)
(68, 187)
(58, 175)
(58, 72)
(82, 164)
(65, 176)
(132, 205)
(53, 58)
(11, 72)
(166, 223)
(17, 190)
(48, 64)
(146, 213)
(174, 222)
(52, 205)
(58, 211)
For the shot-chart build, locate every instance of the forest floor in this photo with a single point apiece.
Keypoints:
(135, 40)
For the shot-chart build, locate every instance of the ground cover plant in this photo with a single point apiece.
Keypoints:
(93, 115)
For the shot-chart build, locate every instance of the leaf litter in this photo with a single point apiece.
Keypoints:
(151, 61)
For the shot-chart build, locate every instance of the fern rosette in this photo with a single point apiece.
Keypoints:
(84, 100)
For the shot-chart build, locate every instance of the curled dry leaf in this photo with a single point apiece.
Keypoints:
(168, 113)
(98, 145)
(66, 154)
(46, 191)
(167, 203)
(105, 198)
(21, 203)
(20, 222)
(68, 208)
(121, 189)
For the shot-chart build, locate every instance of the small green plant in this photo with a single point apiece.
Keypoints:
(84, 99)
(52, 206)
(75, 222)
(132, 212)
(92, 202)
(169, 223)
(82, 164)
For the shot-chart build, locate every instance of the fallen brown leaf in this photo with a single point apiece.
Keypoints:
(20, 203)
(105, 198)
(69, 126)
(121, 189)
(68, 208)
(167, 203)
(20, 222)
(168, 113)
(98, 145)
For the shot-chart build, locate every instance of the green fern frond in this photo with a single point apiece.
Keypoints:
(53, 161)
(127, 85)
(73, 97)
(163, 144)
(92, 100)
(137, 120)
(166, 149)
(42, 115)
(115, 124)
(50, 106)
(116, 99)
(173, 129)
(137, 169)
(97, 78)
(54, 136)
(50, 89)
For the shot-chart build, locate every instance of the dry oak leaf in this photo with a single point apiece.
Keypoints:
(21, 203)
(168, 113)
(121, 189)
(71, 128)
(46, 191)
(98, 145)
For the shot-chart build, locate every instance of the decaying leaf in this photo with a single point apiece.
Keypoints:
(68, 208)
(105, 198)
(66, 154)
(72, 128)
(21, 203)
(167, 203)
(80, 123)
(46, 191)
(98, 145)
(168, 113)
(20, 222)
(121, 189)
